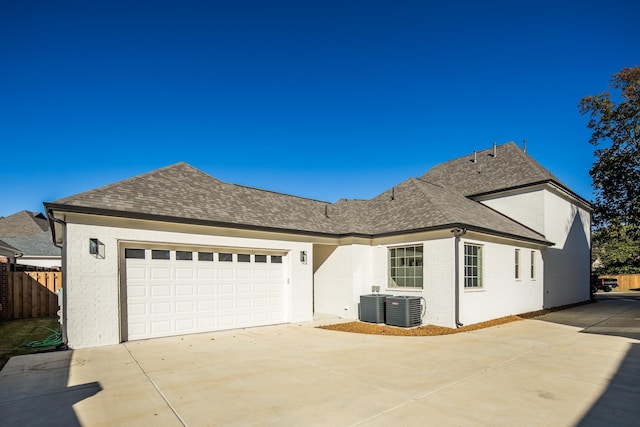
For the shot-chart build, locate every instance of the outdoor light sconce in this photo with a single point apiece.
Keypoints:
(96, 248)
(303, 257)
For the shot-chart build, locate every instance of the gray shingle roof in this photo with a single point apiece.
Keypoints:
(38, 245)
(182, 191)
(23, 223)
(436, 200)
(510, 168)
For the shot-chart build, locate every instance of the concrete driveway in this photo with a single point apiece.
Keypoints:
(541, 372)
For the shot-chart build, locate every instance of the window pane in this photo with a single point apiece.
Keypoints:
(406, 266)
(160, 254)
(205, 256)
(261, 258)
(184, 255)
(225, 257)
(276, 259)
(134, 253)
(244, 258)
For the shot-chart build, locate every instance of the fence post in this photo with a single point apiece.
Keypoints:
(4, 287)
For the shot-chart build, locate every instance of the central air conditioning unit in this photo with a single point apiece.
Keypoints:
(403, 311)
(372, 307)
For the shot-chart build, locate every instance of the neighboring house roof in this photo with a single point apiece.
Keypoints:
(484, 172)
(6, 246)
(23, 223)
(182, 193)
(38, 245)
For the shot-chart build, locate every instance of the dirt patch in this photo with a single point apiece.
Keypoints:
(432, 330)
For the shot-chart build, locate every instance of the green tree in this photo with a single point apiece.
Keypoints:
(616, 172)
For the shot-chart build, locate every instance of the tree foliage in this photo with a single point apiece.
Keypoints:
(616, 171)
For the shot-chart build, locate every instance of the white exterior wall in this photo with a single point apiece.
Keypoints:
(92, 285)
(346, 272)
(343, 273)
(563, 222)
(568, 262)
(501, 293)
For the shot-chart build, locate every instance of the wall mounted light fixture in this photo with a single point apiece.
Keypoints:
(93, 246)
(303, 257)
(96, 248)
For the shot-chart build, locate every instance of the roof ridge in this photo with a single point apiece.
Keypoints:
(274, 192)
(533, 162)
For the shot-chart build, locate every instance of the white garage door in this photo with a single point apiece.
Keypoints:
(174, 292)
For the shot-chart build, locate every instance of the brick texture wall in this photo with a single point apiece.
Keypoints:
(4, 287)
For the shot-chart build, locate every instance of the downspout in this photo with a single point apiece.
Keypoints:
(457, 234)
(63, 323)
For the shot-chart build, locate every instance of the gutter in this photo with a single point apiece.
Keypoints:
(237, 226)
(63, 291)
(457, 234)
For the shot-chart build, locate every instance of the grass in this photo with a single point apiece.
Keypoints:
(13, 333)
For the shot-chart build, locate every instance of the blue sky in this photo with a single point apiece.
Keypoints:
(321, 99)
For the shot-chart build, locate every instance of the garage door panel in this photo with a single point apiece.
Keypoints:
(160, 273)
(182, 307)
(139, 309)
(225, 274)
(244, 274)
(206, 290)
(185, 290)
(137, 273)
(244, 303)
(137, 290)
(243, 289)
(261, 302)
(185, 273)
(205, 273)
(224, 289)
(185, 325)
(160, 308)
(226, 304)
(173, 296)
(160, 327)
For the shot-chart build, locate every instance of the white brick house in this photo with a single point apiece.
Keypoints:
(177, 251)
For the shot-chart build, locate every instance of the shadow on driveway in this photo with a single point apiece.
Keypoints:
(614, 314)
(52, 399)
(618, 404)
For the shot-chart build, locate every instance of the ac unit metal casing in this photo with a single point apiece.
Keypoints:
(403, 311)
(372, 307)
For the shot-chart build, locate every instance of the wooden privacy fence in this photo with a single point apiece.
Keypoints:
(33, 294)
(626, 281)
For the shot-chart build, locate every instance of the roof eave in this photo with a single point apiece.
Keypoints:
(587, 204)
(52, 207)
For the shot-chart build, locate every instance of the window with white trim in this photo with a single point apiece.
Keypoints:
(472, 266)
(405, 267)
(517, 263)
(533, 264)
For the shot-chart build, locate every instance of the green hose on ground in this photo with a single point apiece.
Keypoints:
(53, 340)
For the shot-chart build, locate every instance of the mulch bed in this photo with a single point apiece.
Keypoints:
(432, 330)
